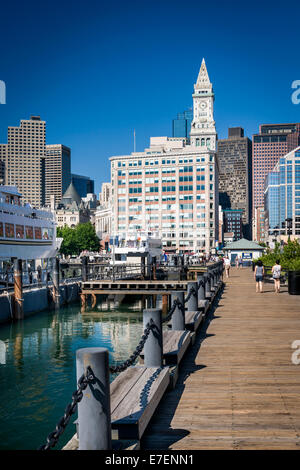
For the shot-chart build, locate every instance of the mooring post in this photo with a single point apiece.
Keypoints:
(55, 278)
(165, 304)
(178, 317)
(84, 272)
(18, 290)
(201, 287)
(207, 282)
(153, 349)
(94, 422)
(192, 303)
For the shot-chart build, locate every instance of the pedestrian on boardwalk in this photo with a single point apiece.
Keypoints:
(227, 265)
(237, 262)
(276, 271)
(240, 263)
(259, 275)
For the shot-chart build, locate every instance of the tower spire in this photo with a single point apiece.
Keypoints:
(203, 78)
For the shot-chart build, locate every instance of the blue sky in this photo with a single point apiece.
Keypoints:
(95, 71)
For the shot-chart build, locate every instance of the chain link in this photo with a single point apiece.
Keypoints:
(82, 383)
(129, 362)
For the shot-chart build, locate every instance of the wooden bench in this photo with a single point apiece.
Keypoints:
(192, 320)
(135, 394)
(175, 343)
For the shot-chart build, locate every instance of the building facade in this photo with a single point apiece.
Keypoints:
(70, 210)
(83, 184)
(25, 153)
(181, 126)
(282, 197)
(172, 187)
(105, 195)
(271, 143)
(233, 222)
(235, 179)
(57, 171)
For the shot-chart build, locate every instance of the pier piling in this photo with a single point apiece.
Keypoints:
(18, 290)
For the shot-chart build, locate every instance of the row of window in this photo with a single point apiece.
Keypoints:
(28, 232)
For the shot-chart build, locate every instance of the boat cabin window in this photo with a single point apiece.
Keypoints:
(9, 230)
(29, 232)
(37, 233)
(19, 231)
(1, 229)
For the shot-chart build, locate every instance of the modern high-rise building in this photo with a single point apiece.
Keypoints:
(181, 126)
(25, 159)
(172, 187)
(282, 197)
(233, 222)
(271, 143)
(83, 184)
(57, 171)
(3, 151)
(235, 178)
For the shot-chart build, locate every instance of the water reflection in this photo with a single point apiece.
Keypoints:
(39, 373)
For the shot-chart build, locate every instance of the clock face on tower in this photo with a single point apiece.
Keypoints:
(203, 105)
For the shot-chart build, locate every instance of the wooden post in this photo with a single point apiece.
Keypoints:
(94, 300)
(94, 421)
(83, 302)
(165, 304)
(18, 290)
(56, 283)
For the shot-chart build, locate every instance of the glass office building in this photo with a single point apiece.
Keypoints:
(181, 126)
(282, 195)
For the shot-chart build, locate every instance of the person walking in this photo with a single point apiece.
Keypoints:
(276, 271)
(227, 265)
(237, 262)
(259, 275)
(240, 263)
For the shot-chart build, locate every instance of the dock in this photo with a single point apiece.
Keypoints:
(237, 386)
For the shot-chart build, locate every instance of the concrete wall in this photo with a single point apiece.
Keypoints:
(36, 300)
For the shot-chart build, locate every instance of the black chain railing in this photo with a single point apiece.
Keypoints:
(83, 382)
(121, 367)
(88, 377)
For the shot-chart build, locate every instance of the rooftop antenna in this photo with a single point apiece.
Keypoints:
(134, 140)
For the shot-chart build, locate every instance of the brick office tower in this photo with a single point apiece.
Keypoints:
(235, 178)
(273, 142)
(25, 159)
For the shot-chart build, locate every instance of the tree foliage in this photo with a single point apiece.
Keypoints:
(289, 256)
(75, 240)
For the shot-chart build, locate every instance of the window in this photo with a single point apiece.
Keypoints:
(19, 231)
(29, 232)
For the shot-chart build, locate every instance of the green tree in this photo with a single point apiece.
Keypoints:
(82, 237)
(86, 238)
(69, 245)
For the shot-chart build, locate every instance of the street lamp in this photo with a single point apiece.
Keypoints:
(289, 225)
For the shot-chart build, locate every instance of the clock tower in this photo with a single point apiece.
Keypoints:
(203, 131)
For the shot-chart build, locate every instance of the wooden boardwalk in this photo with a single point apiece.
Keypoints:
(237, 386)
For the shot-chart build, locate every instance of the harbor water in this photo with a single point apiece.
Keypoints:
(38, 366)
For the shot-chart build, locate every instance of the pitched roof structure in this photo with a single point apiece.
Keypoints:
(243, 244)
(203, 78)
(71, 195)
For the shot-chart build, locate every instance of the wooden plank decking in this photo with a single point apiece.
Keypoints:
(237, 385)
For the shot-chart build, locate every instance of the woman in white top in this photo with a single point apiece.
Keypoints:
(276, 271)
(227, 265)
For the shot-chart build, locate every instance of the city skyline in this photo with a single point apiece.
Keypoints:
(111, 84)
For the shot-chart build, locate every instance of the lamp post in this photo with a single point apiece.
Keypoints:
(289, 225)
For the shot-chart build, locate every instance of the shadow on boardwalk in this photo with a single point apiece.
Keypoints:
(160, 434)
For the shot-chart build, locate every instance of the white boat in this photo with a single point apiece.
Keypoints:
(25, 232)
(131, 248)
